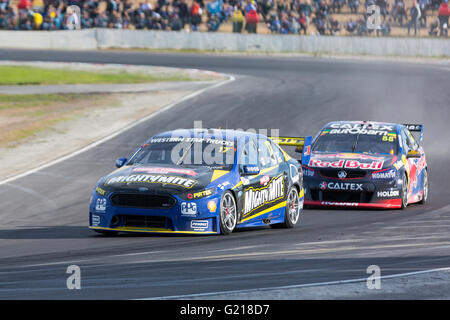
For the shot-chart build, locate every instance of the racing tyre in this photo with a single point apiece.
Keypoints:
(228, 213)
(404, 192)
(292, 213)
(425, 187)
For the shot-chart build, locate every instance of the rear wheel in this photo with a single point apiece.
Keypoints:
(425, 187)
(292, 212)
(228, 213)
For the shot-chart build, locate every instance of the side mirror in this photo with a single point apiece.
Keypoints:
(251, 169)
(120, 162)
(413, 154)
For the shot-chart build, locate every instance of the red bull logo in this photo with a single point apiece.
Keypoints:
(347, 164)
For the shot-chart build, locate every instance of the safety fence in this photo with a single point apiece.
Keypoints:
(109, 38)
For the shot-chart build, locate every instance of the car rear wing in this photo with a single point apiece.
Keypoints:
(415, 128)
(302, 144)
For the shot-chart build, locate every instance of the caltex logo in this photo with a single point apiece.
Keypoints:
(323, 185)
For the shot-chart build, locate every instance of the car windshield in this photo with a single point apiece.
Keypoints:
(385, 143)
(206, 152)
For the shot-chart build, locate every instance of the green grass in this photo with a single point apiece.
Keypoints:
(24, 75)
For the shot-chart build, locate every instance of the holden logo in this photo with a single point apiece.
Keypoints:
(342, 174)
(323, 185)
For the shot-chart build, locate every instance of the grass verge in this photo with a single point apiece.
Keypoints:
(27, 75)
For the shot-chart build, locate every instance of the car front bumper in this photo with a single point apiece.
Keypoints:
(175, 220)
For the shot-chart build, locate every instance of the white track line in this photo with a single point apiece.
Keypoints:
(316, 284)
(115, 134)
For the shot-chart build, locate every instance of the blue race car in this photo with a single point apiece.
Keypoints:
(207, 181)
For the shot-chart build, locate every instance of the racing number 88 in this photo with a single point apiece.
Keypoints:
(388, 138)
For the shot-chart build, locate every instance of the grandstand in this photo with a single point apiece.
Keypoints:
(335, 21)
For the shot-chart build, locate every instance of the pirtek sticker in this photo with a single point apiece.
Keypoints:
(200, 194)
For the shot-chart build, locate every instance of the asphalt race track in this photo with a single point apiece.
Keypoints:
(44, 216)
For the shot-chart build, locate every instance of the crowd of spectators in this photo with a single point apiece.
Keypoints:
(280, 16)
(294, 16)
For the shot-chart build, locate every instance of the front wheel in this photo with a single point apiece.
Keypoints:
(228, 213)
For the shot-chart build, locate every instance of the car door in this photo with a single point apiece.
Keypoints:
(273, 175)
(412, 164)
(266, 189)
(283, 167)
(249, 156)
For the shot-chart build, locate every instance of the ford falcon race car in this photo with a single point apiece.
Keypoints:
(366, 164)
(207, 181)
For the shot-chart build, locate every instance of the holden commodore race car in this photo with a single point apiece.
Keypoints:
(366, 164)
(207, 181)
